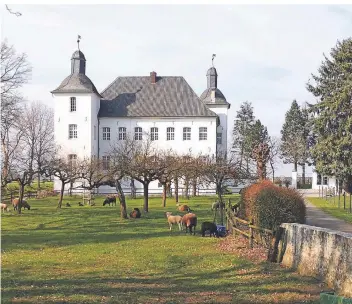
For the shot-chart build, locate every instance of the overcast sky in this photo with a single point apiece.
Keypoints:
(264, 54)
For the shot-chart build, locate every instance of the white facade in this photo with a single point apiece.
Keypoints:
(79, 129)
(322, 181)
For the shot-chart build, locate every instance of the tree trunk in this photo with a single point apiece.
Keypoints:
(186, 188)
(38, 181)
(21, 194)
(164, 195)
(146, 194)
(272, 171)
(122, 200)
(194, 186)
(303, 174)
(221, 209)
(295, 167)
(176, 188)
(133, 189)
(61, 194)
(168, 189)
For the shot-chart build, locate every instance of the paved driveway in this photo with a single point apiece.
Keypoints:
(318, 218)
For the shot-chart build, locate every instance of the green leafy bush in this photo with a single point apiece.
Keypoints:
(269, 205)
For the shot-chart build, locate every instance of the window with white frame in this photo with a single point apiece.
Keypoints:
(325, 180)
(318, 179)
(72, 159)
(186, 133)
(203, 133)
(106, 162)
(170, 133)
(72, 131)
(219, 138)
(73, 106)
(106, 133)
(154, 134)
(122, 133)
(137, 133)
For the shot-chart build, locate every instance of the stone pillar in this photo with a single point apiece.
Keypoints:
(294, 179)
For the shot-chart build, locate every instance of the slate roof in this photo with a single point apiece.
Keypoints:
(219, 97)
(76, 83)
(138, 97)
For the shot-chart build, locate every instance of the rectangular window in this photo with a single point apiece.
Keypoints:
(72, 159)
(72, 131)
(170, 133)
(219, 138)
(106, 133)
(203, 135)
(137, 133)
(95, 132)
(186, 133)
(73, 104)
(154, 134)
(122, 133)
(325, 180)
(318, 179)
(106, 162)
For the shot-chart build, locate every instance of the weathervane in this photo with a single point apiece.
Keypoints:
(78, 40)
(212, 59)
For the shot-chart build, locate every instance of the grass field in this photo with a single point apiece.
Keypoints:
(13, 186)
(331, 207)
(89, 255)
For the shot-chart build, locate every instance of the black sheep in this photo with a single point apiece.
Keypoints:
(68, 205)
(211, 227)
(80, 204)
(110, 200)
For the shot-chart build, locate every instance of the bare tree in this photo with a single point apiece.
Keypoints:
(15, 72)
(219, 169)
(274, 154)
(44, 133)
(65, 169)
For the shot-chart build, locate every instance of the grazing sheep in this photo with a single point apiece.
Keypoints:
(68, 205)
(211, 227)
(16, 204)
(80, 204)
(110, 200)
(174, 219)
(190, 221)
(183, 208)
(92, 204)
(135, 213)
(4, 207)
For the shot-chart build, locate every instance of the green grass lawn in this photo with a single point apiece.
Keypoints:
(331, 207)
(13, 186)
(89, 255)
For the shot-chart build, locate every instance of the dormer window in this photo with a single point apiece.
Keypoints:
(73, 104)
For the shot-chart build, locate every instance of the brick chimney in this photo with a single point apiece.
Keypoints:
(153, 77)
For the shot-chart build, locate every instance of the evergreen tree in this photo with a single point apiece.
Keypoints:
(332, 123)
(241, 134)
(293, 140)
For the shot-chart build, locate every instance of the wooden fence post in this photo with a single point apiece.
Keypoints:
(250, 235)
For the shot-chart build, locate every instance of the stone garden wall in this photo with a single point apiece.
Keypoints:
(319, 252)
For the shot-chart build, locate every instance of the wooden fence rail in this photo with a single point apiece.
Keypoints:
(234, 224)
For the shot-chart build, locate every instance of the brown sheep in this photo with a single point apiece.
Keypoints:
(183, 208)
(190, 221)
(16, 204)
(135, 213)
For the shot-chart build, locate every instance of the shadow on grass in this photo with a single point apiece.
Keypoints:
(220, 286)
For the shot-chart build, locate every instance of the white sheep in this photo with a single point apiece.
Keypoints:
(4, 207)
(174, 219)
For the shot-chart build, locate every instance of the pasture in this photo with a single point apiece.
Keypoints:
(89, 255)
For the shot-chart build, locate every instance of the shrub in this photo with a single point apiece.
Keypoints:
(269, 205)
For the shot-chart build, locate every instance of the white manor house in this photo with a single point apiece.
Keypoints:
(165, 108)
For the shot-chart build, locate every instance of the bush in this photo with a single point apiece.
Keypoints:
(269, 205)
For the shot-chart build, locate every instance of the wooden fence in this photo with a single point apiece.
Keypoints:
(253, 233)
